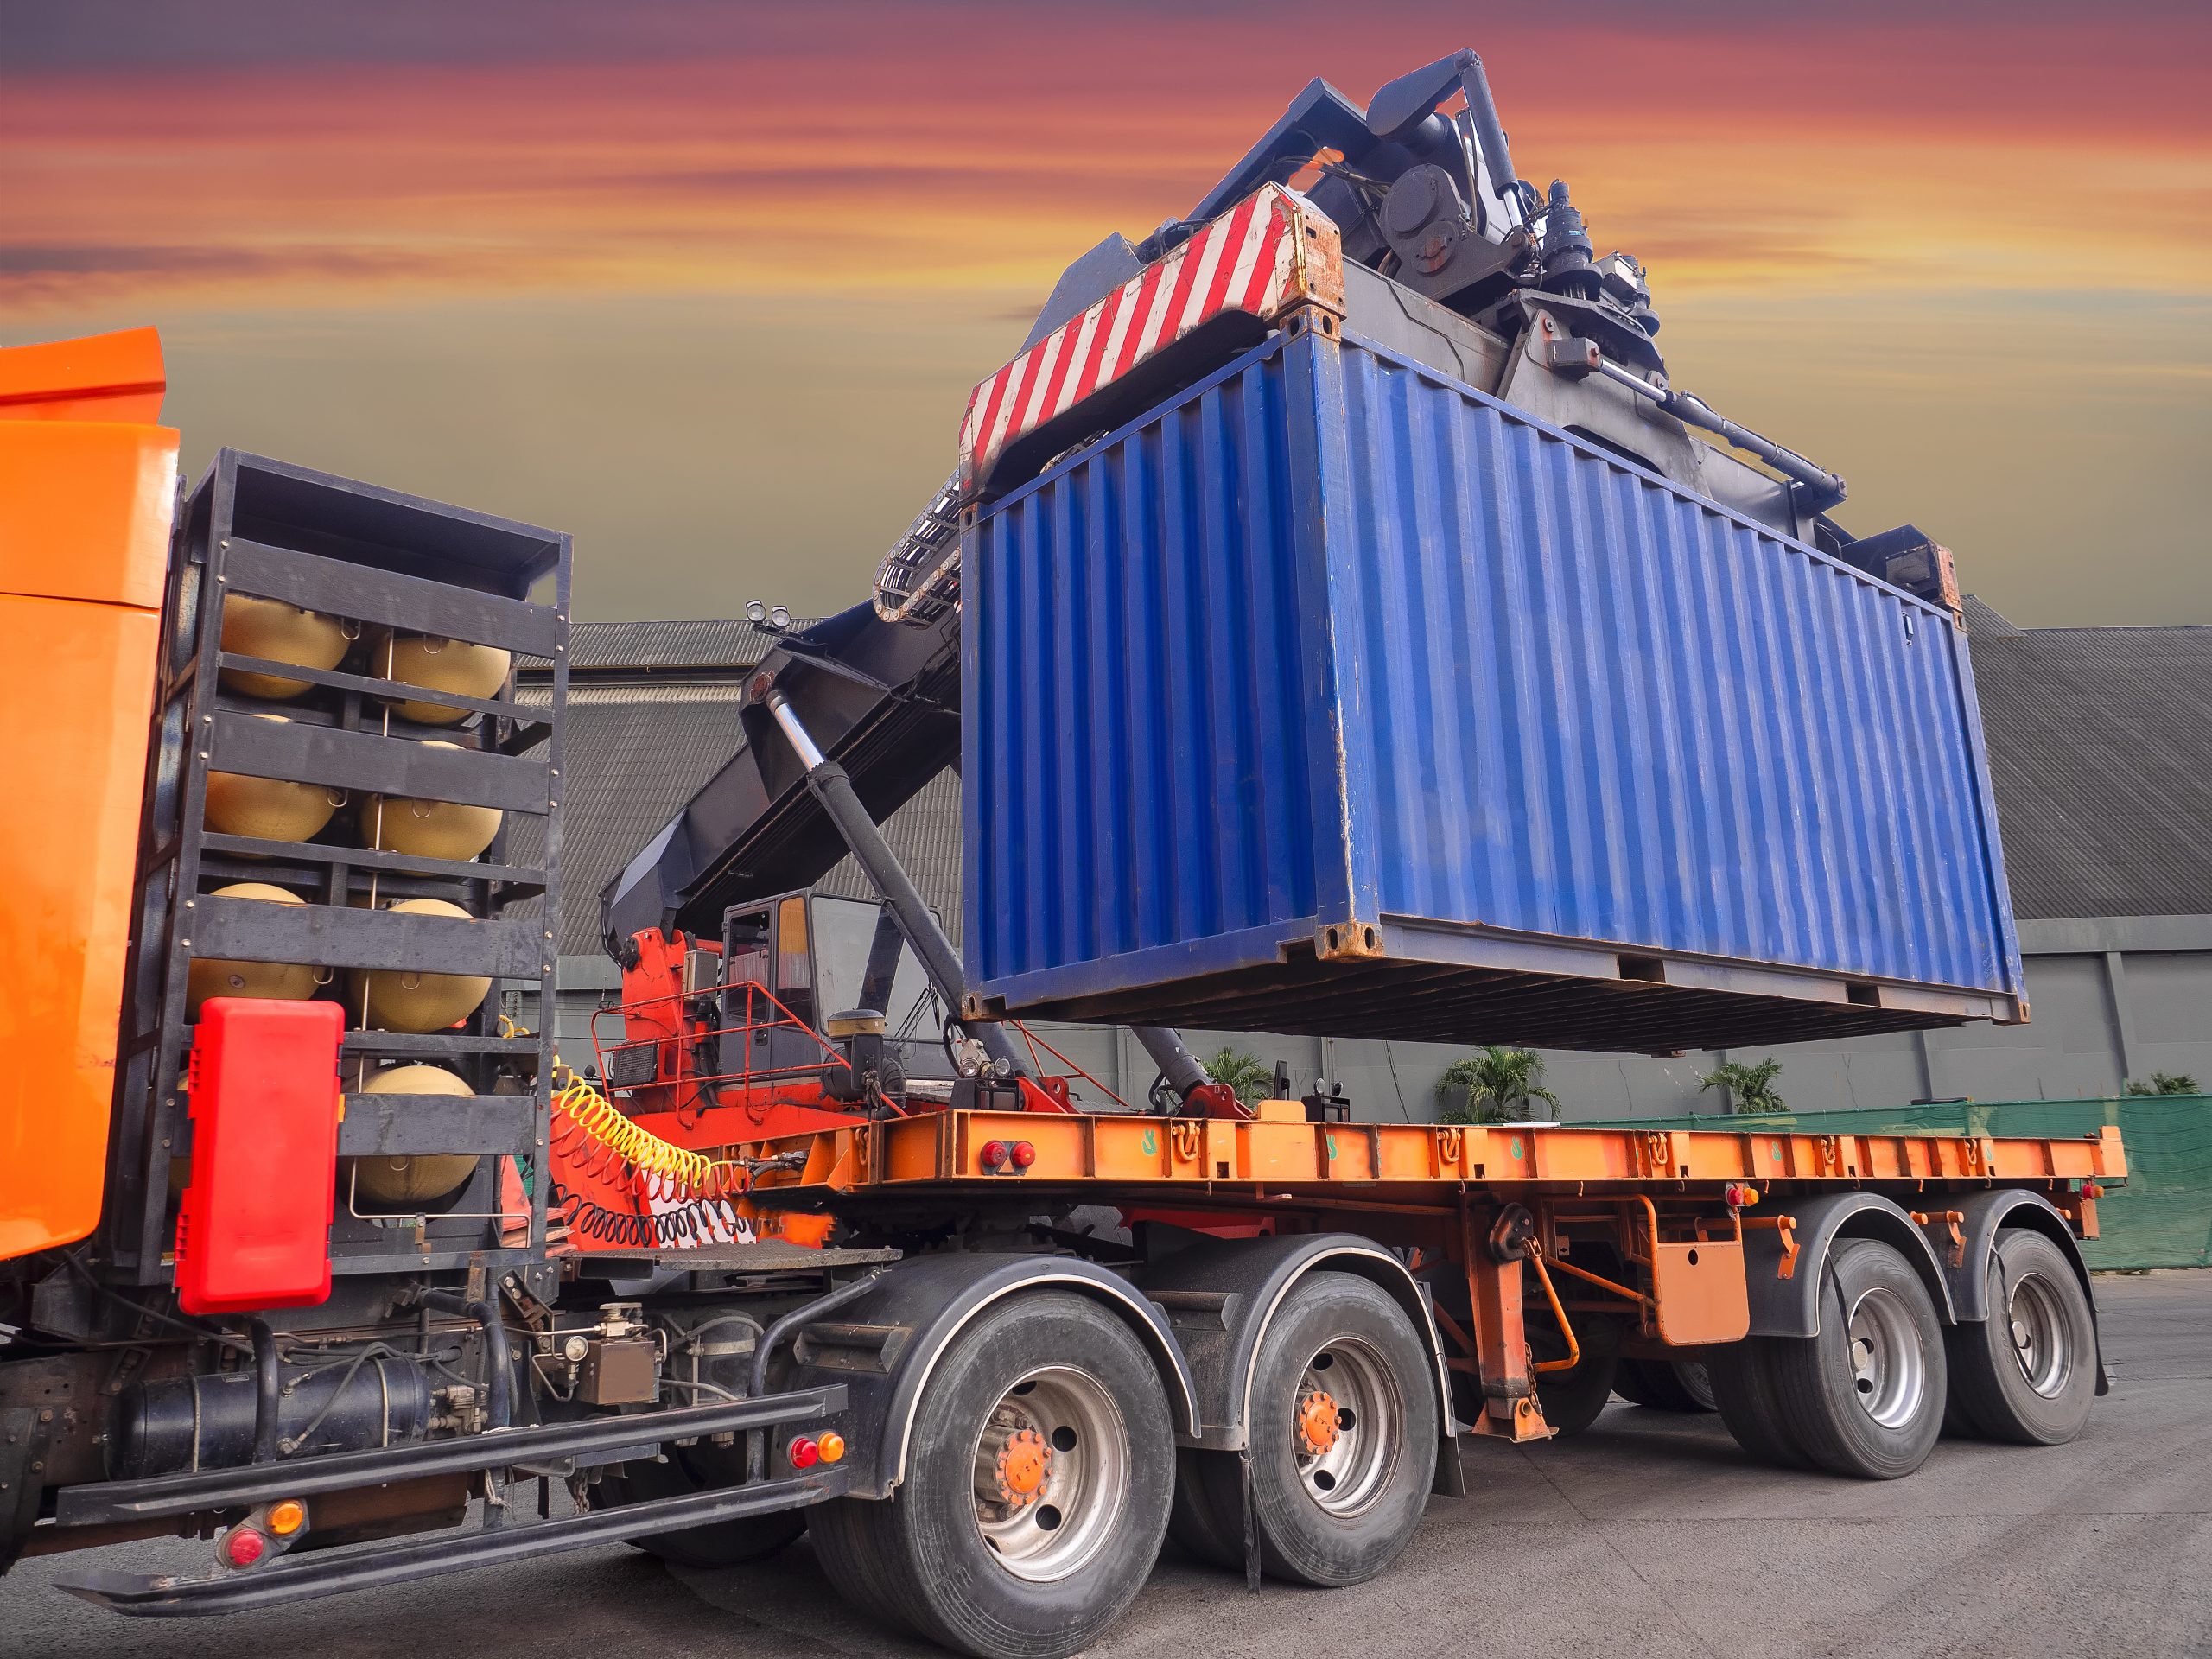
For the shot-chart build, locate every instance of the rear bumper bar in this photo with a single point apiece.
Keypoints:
(302, 1577)
(223, 1489)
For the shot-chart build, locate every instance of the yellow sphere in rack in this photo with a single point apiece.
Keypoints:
(270, 809)
(278, 633)
(438, 664)
(212, 977)
(401, 999)
(415, 1177)
(427, 828)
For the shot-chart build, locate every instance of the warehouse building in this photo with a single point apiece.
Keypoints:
(2101, 751)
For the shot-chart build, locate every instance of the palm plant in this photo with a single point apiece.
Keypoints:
(1242, 1072)
(1748, 1088)
(1499, 1085)
(2162, 1082)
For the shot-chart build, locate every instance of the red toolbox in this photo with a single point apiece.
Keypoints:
(254, 1229)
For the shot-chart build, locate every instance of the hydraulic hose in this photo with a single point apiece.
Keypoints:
(1823, 489)
(497, 1363)
(268, 1380)
(756, 1442)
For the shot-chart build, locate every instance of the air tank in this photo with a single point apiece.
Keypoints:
(180, 1425)
(442, 666)
(413, 1178)
(211, 977)
(278, 633)
(427, 828)
(269, 809)
(401, 999)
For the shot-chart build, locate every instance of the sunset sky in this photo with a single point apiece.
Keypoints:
(707, 284)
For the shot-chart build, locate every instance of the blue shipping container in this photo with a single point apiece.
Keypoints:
(1335, 695)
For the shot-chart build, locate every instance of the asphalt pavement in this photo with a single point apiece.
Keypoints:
(1650, 1533)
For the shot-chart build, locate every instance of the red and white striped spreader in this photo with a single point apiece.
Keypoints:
(1269, 255)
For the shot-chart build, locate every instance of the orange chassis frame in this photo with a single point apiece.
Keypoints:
(1672, 1206)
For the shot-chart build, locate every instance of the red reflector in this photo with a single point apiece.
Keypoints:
(1024, 1155)
(253, 1230)
(245, 1547)
(803, 1453)
(996, 1153)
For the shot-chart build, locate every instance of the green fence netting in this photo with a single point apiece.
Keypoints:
(2162, 1217)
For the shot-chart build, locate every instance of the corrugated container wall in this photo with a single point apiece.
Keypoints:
(1335, 695)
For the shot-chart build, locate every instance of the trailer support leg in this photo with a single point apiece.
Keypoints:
(1509, 1408)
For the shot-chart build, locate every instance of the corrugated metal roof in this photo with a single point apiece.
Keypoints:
(2101, 752)
(684, 643)
(925, 834)
(635, 753)
(631, 760)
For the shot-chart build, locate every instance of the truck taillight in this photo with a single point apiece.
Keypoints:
(994, 1155)
(803, 1452)
(245, 1547)
(287, 1517)
(1024, 1155)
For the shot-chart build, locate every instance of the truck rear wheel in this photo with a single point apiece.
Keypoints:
(1743, 1393)
(1864, 1397)
(1039, 1475)
(2027, 1372)
(1343, 1437)
(689, 1469)
(1204, 1531)
(1573, 1399)
(1666, 1384)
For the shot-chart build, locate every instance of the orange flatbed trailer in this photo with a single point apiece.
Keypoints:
(1699, 1226)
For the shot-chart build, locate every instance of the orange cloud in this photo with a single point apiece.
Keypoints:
(972, 149)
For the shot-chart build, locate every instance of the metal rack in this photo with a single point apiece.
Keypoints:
(377, 560)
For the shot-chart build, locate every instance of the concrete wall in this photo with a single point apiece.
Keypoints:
(2111, 998)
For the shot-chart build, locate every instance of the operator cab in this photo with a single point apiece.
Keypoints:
(827, 961)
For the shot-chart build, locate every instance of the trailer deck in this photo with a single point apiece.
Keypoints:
(1280, 1157)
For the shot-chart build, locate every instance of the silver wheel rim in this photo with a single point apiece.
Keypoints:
(1345, 1466)
(1889, 1372)
(1051, 1473)
(2040, 1340)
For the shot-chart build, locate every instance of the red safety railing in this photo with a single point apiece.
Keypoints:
(675, 1043)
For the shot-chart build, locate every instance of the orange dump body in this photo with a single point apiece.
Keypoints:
(87, 492)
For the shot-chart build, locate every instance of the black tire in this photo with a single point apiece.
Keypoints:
(1866, 1396)
(1959, 1423)
(1306, 1535)
(1696, 1383)
(1195, 1523)
(1571, 1400)
(2039, 1323)
(696, 1469)
(921, 1560)
(1629, 1383)
(1743, 1393)
(1666, 1384)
